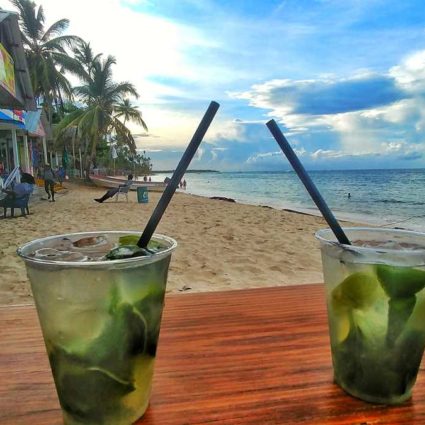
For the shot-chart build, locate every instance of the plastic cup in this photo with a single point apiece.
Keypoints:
(376, 310)
(100, 322)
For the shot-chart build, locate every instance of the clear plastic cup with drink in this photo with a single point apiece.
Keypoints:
(100, 315)
(376, 310)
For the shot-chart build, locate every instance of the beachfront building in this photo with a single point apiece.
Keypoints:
(16, 96)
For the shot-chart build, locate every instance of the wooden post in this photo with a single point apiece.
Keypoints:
(26, 154)
(73, 150)
(15, 151)
(45, 150)
(81, 164)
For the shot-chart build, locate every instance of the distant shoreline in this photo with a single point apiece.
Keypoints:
(186, 172)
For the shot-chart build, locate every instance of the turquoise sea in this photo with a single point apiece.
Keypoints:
(391, 198)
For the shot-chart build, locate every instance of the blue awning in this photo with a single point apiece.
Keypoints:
(32, 122)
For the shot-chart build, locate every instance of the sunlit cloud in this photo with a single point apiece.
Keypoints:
(343, 95)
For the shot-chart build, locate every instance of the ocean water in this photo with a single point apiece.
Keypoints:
(390, 198)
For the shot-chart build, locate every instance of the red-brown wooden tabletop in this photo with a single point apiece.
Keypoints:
(246, 357)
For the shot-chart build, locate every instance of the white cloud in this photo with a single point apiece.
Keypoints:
(304, 107)
(261, 156)
(411, 73)
(144, 45)
(149, 50)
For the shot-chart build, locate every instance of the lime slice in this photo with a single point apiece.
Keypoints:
(399, 311)
(417, 319)
(340, 322)
(128, 240)
(81, 387)
(400, 282)
(359, 290)
(126, 251)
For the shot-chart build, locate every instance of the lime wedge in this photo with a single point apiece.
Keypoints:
(400, 282)
(126, 251)
(340, 322)
(128, 240)
(399, 312)
(417, 319)
(81, 387)
(359, 290)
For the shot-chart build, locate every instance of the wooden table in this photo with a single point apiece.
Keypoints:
(247, 357)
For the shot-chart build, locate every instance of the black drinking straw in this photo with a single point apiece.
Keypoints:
(177, 175)
(308, 183)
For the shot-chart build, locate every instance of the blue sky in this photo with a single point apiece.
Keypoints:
(345, 80)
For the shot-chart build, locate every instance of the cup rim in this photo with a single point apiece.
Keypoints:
(326, 236)
(147, 259)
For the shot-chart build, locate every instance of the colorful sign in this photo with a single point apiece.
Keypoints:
(13, 116)
(7, 71)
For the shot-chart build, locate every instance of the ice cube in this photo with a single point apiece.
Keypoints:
(94, 247)
(91, 242)
(64, 244)
(126, 251)
(57, 255)
(47, 253)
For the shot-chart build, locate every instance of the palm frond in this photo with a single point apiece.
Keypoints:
(61, 42)
(124, 134)
(70, 120)
(63, 84)
(40, 16)
(119, 91)
(130, 113)
(84, 93)
(31, 26)
(55, 29)
(68, 63)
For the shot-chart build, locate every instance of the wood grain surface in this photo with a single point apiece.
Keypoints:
(258, 356)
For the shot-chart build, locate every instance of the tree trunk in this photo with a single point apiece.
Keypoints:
(48, 101)
(86, 160)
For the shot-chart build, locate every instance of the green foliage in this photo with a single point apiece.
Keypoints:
(102, 106)
(46, 54)
(138, 163)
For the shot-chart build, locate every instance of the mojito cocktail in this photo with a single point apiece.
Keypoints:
(100, 320)
(376, 310)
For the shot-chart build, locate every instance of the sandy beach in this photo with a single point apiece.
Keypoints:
(222, 245)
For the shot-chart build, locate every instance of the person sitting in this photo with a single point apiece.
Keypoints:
(26, 187)
(111, 192)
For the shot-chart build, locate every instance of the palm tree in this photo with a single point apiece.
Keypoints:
(84, 55)
(101, 97)
(130, 113)
(46, 54)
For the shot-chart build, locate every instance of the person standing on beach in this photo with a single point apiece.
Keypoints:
(49, 182)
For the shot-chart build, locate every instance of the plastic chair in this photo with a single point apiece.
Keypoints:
(123, 190)
(21, 203)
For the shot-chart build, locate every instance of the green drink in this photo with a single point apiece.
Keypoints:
(100, 320)
(376, 310)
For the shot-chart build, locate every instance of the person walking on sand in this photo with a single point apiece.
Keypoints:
(111, 192)
(49, 182)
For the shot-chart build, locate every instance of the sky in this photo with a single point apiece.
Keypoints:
(344, 80)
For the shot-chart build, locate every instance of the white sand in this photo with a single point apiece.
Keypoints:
(222, 245)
